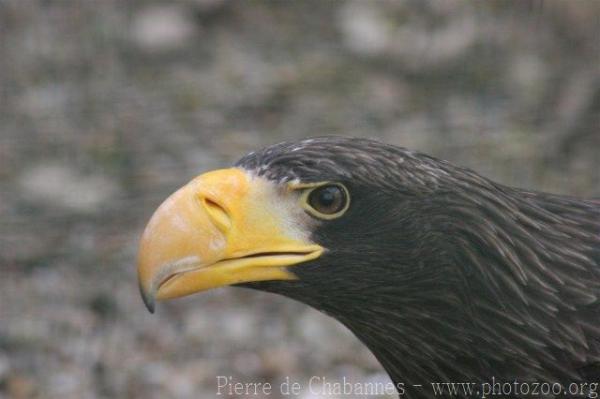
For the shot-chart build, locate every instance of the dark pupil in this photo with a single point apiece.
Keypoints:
(327, 199)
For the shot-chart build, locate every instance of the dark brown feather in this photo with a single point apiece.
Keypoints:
(444, 274)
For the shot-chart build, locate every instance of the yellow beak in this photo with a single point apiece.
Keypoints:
(224, 227)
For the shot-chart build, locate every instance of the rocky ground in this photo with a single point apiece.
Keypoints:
(108, 106)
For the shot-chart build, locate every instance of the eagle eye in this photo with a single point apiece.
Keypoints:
(327, 200)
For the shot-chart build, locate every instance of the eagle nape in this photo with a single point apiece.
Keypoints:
(443, 274)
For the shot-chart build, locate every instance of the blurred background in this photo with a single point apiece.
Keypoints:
(106, 107)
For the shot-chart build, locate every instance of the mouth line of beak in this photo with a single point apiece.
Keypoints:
(185, 266)
(255, 266)
(192, 267)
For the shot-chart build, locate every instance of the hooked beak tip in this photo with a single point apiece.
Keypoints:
(148, 299)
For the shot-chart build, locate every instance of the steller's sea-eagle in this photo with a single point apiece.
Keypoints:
(443, 274)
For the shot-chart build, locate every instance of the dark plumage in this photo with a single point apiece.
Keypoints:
(444, 274)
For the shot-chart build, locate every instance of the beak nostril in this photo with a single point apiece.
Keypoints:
(217, 213)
